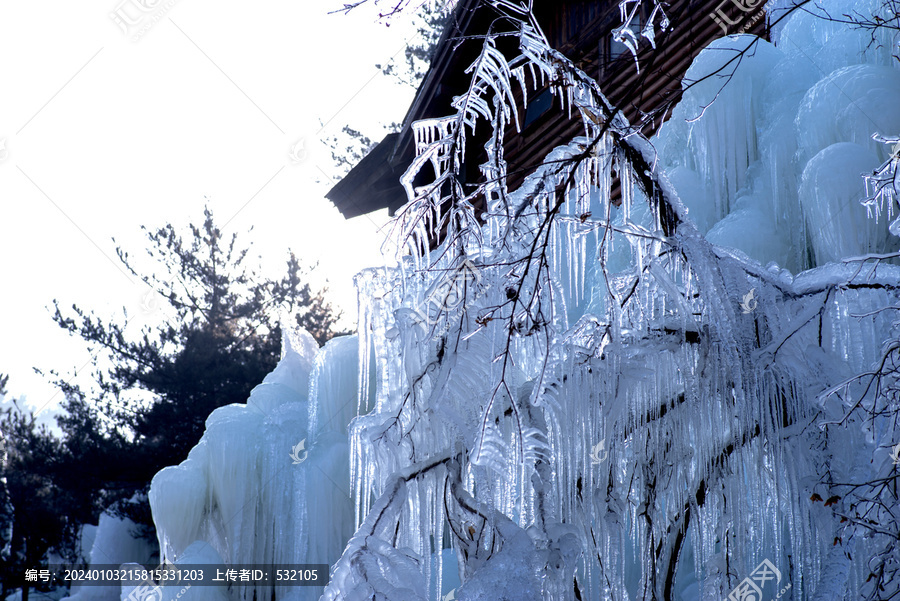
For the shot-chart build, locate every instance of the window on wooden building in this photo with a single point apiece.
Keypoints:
(538, 106)
(612, 50)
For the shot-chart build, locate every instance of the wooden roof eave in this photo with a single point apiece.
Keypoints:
(373, 183)
(460, 22)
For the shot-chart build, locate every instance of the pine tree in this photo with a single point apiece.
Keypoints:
(222, 341)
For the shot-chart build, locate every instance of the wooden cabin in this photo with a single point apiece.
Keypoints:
(580, 29)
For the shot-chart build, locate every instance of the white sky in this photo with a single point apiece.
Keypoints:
(104, 134)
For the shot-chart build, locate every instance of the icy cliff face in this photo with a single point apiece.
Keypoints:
(269, 482)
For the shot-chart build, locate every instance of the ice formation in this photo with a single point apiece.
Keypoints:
(269, 481)
(571, 398)
(783, 145)
(613, 407)
(112, 541)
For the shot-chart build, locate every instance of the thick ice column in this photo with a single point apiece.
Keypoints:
(333, 386)
(260, 487)
(183, 491)
(830, 195)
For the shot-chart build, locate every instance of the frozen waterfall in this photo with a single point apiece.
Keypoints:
(269, 481)
(661, 397)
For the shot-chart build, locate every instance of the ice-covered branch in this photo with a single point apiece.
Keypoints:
(586, 351)
(883, 186)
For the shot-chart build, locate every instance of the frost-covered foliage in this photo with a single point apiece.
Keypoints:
(585, 397)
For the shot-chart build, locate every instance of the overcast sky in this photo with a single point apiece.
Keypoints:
(106, 126)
